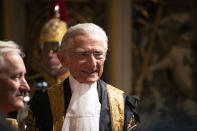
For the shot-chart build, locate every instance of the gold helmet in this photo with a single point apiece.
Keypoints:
(49, 40)
(52, 32)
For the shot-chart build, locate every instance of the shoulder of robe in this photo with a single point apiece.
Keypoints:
(133, 102)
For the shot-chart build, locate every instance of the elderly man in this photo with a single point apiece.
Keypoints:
(83, 101)
(13, 85)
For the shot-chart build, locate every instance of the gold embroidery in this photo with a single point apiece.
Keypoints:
(13, 122)
(132, 124)
(63, 77)
(31, 122)
(56, 98)
(51, 81)
(116, 103)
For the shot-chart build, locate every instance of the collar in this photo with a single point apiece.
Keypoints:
(68, 92)
(76, 86)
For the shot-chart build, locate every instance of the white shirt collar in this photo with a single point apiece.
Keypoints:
(84, 108)
(75, 85)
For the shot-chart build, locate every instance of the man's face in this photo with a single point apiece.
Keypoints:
(49, 55)
(86, 58)
(12, 83)
(50, 60)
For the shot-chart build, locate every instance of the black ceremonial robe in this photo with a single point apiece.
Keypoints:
(47, 109)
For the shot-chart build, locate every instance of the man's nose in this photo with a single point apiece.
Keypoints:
(25, 85)
(50, 53)
(92, 60)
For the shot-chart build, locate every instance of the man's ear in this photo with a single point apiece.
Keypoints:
(62, 58)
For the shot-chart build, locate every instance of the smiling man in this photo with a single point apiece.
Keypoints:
(13, 85)
(83, 101)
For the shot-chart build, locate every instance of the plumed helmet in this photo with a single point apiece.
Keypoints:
(53, 30)
(49, 40)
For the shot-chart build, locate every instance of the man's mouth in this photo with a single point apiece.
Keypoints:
(20, 97)
(90, 72)
(21, 94)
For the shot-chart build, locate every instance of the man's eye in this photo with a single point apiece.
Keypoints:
(99, 55)
(16, 76)
(82, 54)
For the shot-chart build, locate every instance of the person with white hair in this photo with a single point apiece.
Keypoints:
(13, 85)
(83, 101)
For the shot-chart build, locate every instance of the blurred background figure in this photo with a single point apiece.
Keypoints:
(49, 70)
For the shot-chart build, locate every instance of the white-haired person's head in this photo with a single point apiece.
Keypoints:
(9, 46)
(83, 29)
(12, 77)
(83, 52)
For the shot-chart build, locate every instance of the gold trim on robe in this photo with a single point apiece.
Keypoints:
(56, 98)
(116, 104)
(51, 81)
(13, 122)
(132, 124)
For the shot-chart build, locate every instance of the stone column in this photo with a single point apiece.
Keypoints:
(120, 44)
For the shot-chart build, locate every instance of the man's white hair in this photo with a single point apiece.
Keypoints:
(6, 47)
(85, 29)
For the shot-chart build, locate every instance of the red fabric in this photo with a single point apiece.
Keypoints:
(62, 8)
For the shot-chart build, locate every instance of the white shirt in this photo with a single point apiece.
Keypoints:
(84, 109)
